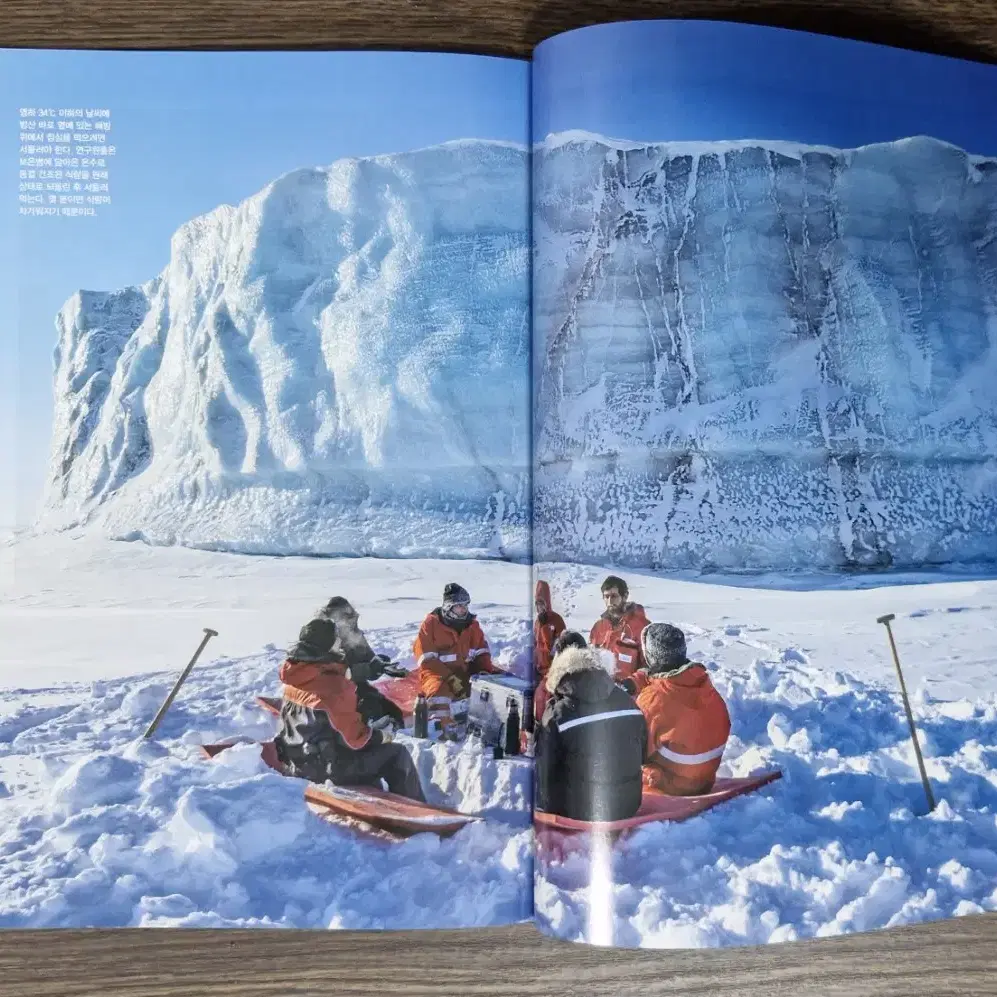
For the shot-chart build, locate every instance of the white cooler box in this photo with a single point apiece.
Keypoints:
(489, 698)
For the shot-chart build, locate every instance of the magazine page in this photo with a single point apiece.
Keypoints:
(765, 317)
(266, 484)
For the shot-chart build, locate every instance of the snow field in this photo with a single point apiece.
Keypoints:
(99, 828)
(841, 843)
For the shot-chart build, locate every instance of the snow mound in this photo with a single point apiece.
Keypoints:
(98, 781)
(763, 355)
(841, 843)
(101, 828)
(318, 370)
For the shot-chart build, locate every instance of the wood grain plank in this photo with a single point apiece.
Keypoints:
(957, 957)
(966, 28)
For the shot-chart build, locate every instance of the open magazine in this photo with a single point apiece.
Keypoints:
(447, 491)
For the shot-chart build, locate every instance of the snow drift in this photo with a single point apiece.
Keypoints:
(338, 365)
(99, 828)
(756, 355)
(839, 844)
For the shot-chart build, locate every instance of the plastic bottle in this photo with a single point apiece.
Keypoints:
(421, 717)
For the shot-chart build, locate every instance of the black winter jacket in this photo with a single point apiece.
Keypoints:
(590, 743)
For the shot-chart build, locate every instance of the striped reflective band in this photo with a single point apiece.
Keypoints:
(592, 717)
(448, 657)
(426, 656)
(475, 651)
(625, 657)
(680, 759)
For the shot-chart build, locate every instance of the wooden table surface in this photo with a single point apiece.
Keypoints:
(956, 957)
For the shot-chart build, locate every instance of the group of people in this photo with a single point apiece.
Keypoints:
(624, 711)
(334, 723)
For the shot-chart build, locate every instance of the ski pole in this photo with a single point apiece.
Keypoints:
(885, 620)
(208, 634)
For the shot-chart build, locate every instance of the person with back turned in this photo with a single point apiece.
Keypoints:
(323, 736)
(589, 744)
(687, 719)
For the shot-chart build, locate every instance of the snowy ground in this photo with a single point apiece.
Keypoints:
(77, 609)
(841, 843)
(98, 828)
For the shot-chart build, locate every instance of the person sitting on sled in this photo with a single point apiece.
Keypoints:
(365, 666)
(449, 648)
(547, 627)
(570, 638)
(620, 626)
(687, 719)
(322, 734)
(589, 744)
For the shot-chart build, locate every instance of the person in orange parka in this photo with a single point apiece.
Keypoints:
(620, 627)
(687, 719)
(450, 648)
(323, 735)
(547, 627)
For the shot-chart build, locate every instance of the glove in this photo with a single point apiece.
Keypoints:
(394, 671)
(385, 724)
(458, 685)
(387, 735)
(628, 686)
(386, 658)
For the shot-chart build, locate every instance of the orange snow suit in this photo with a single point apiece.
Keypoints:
(544, 635)
(447, 657)
(622, 638)
(687, 730)
(325, 687)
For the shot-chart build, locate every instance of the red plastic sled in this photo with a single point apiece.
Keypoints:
(401, 691)
(398, 815)
(270, 704)
(369, 812)
(657, 806)
(268, 752)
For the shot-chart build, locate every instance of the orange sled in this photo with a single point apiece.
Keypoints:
(657, 806)
(369, 812)
(396, 814)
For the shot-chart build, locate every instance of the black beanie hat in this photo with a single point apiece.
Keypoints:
(314, 641)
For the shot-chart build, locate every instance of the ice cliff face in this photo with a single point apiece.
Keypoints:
(758, 355)
(337, 365)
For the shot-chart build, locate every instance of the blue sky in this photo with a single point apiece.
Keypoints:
(700, 80)
(195, 130)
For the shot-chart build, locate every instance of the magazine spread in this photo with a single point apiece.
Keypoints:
(445, 491)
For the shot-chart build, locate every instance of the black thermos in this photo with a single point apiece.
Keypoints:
(421, 719)
(512, 728)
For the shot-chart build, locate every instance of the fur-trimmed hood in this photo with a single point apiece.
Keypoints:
(573, 660)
